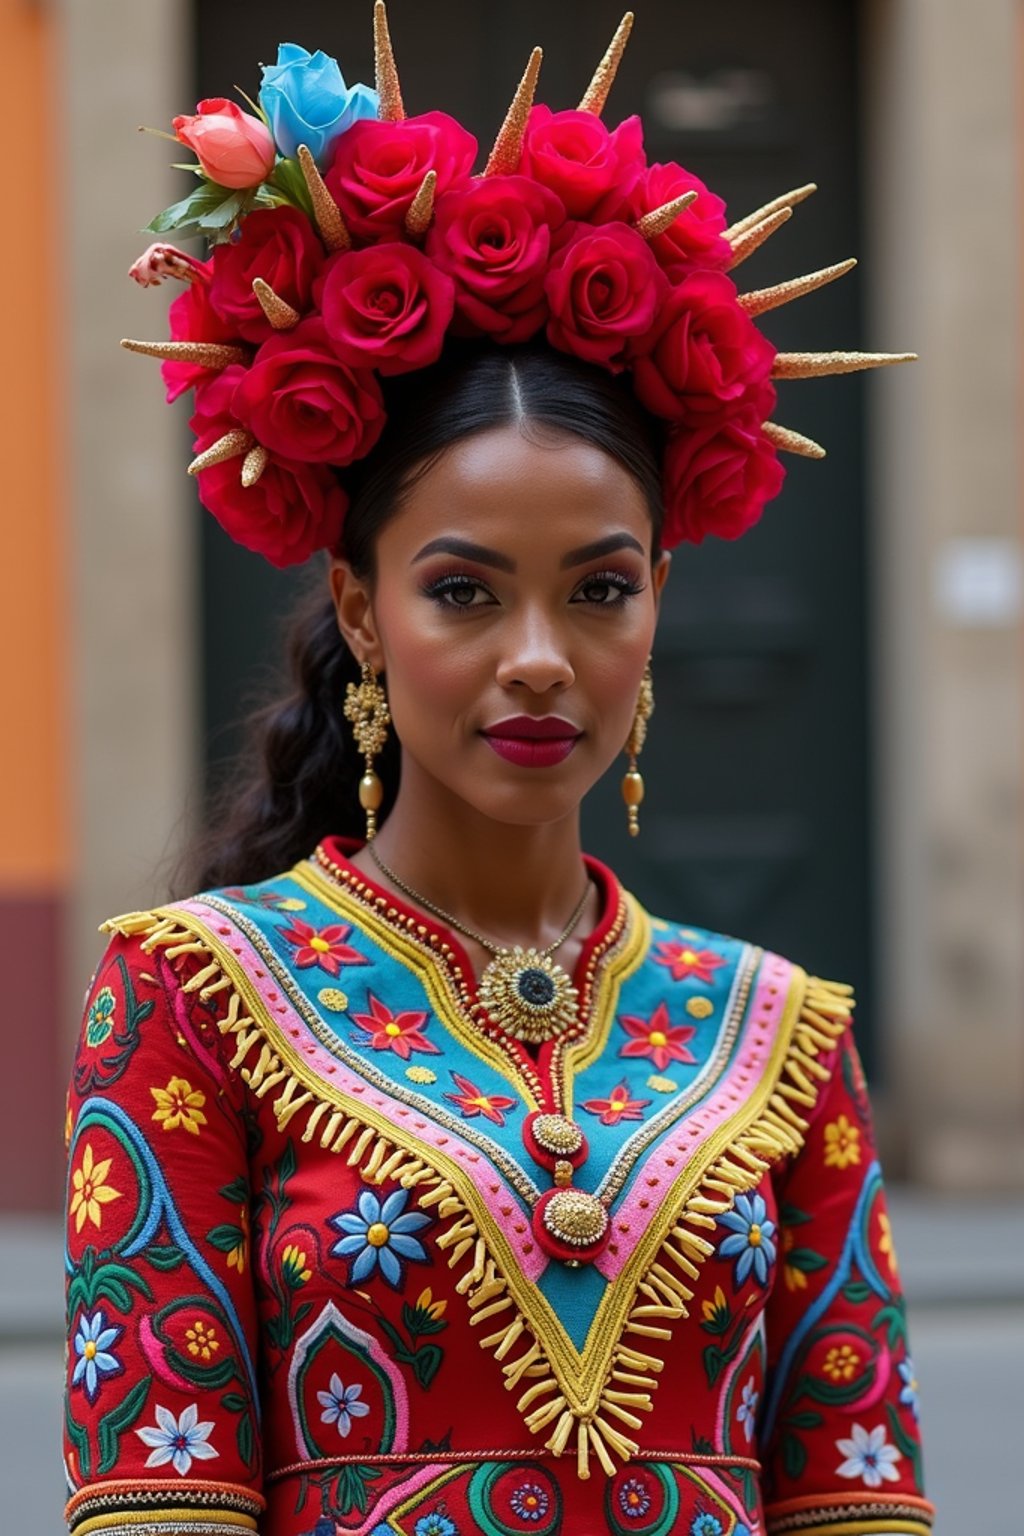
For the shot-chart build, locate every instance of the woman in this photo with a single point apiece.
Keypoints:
(420, 1180)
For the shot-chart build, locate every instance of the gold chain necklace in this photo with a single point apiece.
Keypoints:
(523, 990)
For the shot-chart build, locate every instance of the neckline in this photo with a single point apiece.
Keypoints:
(543, 1072)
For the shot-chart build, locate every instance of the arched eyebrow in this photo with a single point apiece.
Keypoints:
(465, 549)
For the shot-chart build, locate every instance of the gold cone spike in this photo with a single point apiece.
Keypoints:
(280, 313)
(508, 146)
(792, 442)
(785, 200)
(818, 365)
(231, 446)
(763, 299)
(659, 219)
(255, 464)
(325, 210)
(421, 209)
(596, 93)
(390, 108)
(752, 239)
(204, 354)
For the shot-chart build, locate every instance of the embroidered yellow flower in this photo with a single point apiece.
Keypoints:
(885, 1242)
(179, 1104)
(420, 1075)
(425, 1303)
(841, 1363)
(716, 1311)
(842, 1144)
(293, 1266)
(202, 1340)
(91, 1190)
(240, 1252)
(795, 1278)
(68, 1122)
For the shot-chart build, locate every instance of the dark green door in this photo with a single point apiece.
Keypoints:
(757, 816)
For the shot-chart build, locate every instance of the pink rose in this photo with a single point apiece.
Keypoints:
(604, 293)
(160, 261)
(695, 238)
(386, 307)
(192, 318)
(495, 236)
(292, 510)
(281, 246)
(591, 169)
(378, 169)
(234, 148)
(717, 478)
(707, 352)
(299, 400)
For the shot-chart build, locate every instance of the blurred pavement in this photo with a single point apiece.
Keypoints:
(963, 1268)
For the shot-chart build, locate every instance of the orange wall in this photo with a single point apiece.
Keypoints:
(33, 598)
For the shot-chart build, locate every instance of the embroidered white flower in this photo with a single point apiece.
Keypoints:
(178, 1441)
(746, 1413)
(869, 1456)
(342, 1404)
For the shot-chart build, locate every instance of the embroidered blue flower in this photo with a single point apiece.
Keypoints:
(908, 1391)
(93, 1344)
(307, 101)
(707, 1525)
(747, 1410)
(342, 1404)
(435, 1525)
(177, 1440)
(100, 1020)
(634, 1498)
(530, 1501)
(750, 1242)
(378, 1234)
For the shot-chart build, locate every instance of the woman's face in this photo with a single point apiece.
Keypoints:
(512, 611)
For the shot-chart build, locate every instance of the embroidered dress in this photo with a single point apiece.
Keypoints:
(312, 1287)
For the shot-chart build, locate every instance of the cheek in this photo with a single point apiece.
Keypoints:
(430, 674)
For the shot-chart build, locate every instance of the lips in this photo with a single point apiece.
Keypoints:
(533, 742)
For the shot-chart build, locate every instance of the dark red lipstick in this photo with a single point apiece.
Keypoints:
(531, 742)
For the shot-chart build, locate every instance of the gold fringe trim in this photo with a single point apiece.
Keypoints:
(663, 1294)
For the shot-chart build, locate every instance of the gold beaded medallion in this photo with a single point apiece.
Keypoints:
(529, 995)
(575, 1218)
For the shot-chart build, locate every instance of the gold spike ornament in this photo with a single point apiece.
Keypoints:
(204, 354)
(277, 310)
(784, 200)
(254, 465)
(421, 209)
(596, 93)
(390, 108)
(325, 210)
(508, 146)
(659, 219)
(792, 442)
(764, 299)
(817, 365)
(231, 446)
(752, 239)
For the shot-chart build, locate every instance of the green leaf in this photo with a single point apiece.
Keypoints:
(806, 1259)
(196, 169)
(264, 119)
(226, 1238)
(223, 215)
(79, 1437)
(234, 1402)
(190, 209)
(805, 1420)
(164, 1255)
(237, 1191)
(244, 1437)
(794, 1456)
(286, 1166)
(790, 1216)
(288, 179)
(426, 1363)
(113, 1425)
(857, 1292)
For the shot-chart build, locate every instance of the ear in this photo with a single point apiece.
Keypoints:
(353, 604)
(659, 576)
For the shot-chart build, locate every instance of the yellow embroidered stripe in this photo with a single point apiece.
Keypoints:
(582, 1389)
(186, 1520)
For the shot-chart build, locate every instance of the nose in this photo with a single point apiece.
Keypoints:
(534, 655)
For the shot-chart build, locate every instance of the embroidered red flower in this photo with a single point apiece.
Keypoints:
(324, 947)
(472, 1101)
(398, 1032)
(657, 1037)
(685, 959)
(279, 245)
(618, 1106)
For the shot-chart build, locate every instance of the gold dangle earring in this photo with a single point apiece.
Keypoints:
(367, 708)
(633, 784)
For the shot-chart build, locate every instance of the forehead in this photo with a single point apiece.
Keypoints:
(507, 486)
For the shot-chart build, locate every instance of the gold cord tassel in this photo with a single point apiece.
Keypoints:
(508, 146)
(596, 93)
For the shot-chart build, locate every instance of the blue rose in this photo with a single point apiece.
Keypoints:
(307, 101)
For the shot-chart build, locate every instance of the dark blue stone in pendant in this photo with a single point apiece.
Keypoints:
(535, 987)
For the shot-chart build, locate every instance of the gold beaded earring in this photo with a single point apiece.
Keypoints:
(367, 708)
(633, 784)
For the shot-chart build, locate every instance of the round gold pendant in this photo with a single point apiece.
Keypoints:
(575, 1218)
(528, 995)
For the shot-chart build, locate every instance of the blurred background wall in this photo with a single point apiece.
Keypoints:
(836, 764)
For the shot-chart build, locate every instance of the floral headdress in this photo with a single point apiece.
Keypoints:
(349, 241)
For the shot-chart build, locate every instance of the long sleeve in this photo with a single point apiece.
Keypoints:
(839, 1435)
(161, 1422)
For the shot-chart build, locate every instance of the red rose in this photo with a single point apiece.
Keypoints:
(707, 352)
(604, 293)
(386, 307)
(292, 510)
(192, 318)
(302, 402)
(696, 237)
(592, 171)
(495, 237)
(281, 246)
(378, 168)
(717, 478)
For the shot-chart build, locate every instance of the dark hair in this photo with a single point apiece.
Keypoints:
(296, 780)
